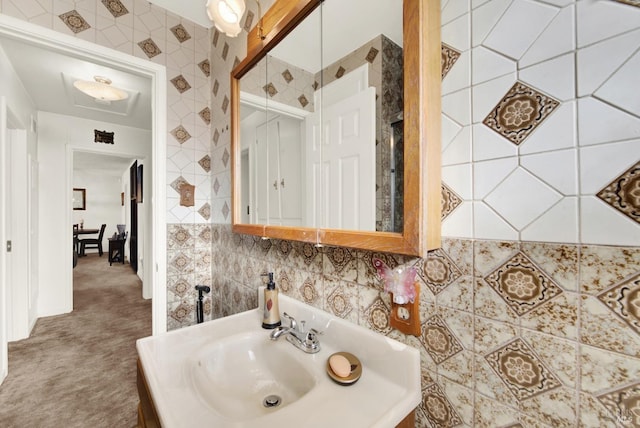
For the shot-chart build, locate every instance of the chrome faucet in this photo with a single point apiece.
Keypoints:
(306, 341)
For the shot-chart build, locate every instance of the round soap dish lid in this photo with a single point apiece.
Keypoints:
(356, 369)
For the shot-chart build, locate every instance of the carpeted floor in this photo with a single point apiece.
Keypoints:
(79, 369)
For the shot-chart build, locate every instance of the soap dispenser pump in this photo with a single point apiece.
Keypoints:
(271, 315)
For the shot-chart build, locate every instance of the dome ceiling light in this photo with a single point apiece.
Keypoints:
(100, 89)
(226, 16)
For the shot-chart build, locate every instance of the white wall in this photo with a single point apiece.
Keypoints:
(58, 137)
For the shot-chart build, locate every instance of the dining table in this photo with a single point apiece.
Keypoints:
(79, 231)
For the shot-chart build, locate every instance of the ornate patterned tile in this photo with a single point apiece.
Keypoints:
(205, 115)
(216, 136)
(180, 33)
(225, 211)
(180, 134)
(181, 263)
(342, 262)
(438, 340)
(149, 47)
(449, 201)
(225, 104)
(287, 76)
(624, 301)
(623, 193)
(248, 20)
(225, 51)
(216, 87)
(448, 57)
(270, 89)
(225, 157)
(521, 370)
(340, 298)
(303, 100)
(205, 163)
(182, 313)
(179, 237)
(522, 284)
(177, 183)
(439, 411)
(180, 287)
(438, 271)
(205, 211)
(371, 55)
(74, 21)
(216, 186)
(116, 7)
(520, 112)
(340, 72)
(181, 84)
(377, 316)
(309, 292)
(205, 67)
(624, 405)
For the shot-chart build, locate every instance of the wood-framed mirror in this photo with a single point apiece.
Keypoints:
(419, 228)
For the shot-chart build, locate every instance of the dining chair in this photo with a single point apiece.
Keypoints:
(93, 243)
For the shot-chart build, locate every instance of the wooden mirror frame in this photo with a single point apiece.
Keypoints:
(422, 122)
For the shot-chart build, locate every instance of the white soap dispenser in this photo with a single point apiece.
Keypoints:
(271, 315)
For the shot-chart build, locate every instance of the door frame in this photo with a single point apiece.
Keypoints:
(155, 242)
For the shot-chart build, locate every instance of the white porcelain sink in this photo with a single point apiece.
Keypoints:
(235, 376)
(220, 373)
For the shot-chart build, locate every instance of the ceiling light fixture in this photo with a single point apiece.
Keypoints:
(226, 16)
(100, 89)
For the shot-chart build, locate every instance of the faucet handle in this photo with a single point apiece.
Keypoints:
(292, 321)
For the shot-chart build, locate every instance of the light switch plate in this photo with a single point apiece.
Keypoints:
(406, 318)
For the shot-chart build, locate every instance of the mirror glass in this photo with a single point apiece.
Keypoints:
(321, 123)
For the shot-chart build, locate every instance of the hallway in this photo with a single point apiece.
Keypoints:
(79, 369)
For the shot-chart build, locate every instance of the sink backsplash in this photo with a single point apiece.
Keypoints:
(530, 332)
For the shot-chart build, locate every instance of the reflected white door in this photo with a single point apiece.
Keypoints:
(343, 165)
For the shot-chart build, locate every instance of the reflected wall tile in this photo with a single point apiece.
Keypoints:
(341, 299)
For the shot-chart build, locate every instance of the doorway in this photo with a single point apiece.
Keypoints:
(155, 241)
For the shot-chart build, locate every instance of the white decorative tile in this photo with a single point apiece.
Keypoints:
(449, 130)
(485, 17)
(622, 89)
(487, 175)
(488, 144)
(523, 22)
(457, 33)
(558, 169)
(459, 223)
(457, 106)
(601, 224)
(557, 131)
(558, 224)
(453, 9)
(521, 197)
(556, 77)
(600, 165)
(486, 95)
(599, 20)
(489, 65)
(459, 150)
(557, 39)
(459, 77)
(487, 224)
(458, 178)
(597, 62)
(600, 122)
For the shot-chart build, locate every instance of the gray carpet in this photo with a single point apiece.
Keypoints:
(79, 369)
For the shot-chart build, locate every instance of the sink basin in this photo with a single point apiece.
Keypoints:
(247, 375)
(228, 373)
